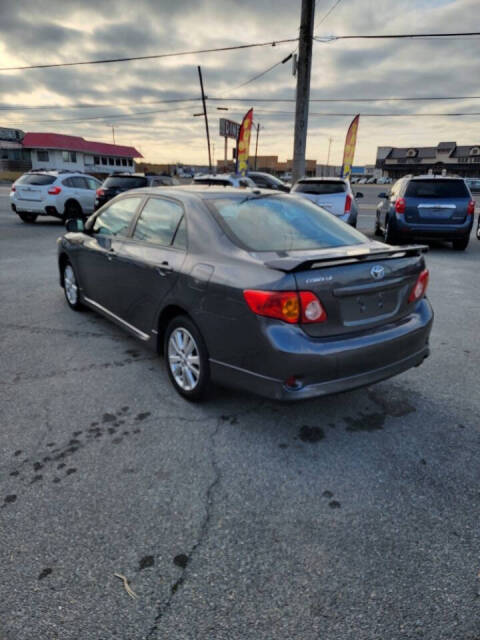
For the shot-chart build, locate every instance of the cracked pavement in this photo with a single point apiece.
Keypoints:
(353, 517)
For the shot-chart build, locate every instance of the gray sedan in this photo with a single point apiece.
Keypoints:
(252, 289)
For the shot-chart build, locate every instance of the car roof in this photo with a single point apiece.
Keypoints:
(430, 176)
(322, 179)
(200, 191)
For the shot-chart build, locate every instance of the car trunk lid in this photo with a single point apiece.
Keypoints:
(359, 287)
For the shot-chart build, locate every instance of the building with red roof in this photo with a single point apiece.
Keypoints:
(59, 151)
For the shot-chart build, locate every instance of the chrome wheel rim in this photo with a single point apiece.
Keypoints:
(184, 359)
(71, 289)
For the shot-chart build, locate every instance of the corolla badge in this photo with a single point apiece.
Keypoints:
(377, 272)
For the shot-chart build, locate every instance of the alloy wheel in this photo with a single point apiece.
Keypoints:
(184, 359)
(70, 284)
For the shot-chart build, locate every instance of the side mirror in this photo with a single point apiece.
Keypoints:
(382, 194)
(359, 194)
(75, 224)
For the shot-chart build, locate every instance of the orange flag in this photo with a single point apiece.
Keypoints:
(349, 152)
(243, 143)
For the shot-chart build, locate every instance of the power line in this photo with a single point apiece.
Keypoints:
(410, 98)
(95, 106)
(110, 116)
(157, 56)
(397, 36)
(332, 8)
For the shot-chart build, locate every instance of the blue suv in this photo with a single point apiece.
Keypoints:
(426, 207)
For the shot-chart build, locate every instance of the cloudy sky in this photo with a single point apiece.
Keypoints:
(50, 31)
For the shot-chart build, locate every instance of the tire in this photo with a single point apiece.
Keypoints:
(478, 231)
(70, 287)
(72, 210)
(186, 359)
(389, 234)
(28, 218)
(377, 231)
(461, 244)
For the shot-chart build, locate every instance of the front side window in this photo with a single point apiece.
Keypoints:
(158, 221)
(92, 184)
(116, 219)
(281, 223)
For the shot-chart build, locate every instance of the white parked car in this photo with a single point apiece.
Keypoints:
(61, 194)
(224, 180)
(333, 194)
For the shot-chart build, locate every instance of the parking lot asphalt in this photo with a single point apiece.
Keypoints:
(352, 517)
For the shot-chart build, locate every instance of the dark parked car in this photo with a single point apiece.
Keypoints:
(257, 290)
(426, 207)
(120, 182)
(267, 181)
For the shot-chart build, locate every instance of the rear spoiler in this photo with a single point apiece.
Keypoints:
(345, 256)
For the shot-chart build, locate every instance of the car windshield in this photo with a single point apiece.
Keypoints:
(130, 182)
(36, 178)
(281, 223)
(321, 187)
(436, 189)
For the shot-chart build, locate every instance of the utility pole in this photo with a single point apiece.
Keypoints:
(256, 145)
(113, 134)
(206, 119)
(303, 88)
(328, 155)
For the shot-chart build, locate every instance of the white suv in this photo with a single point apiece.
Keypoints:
(225, 180)
(60, 194)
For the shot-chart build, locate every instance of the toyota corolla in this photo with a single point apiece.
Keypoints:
(252, 289)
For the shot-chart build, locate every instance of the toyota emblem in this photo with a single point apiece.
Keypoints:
(377, 272)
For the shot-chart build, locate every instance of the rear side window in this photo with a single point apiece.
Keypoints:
(36, 178)
(323, 187)
(116, 219)
(436, 189)
(158, 221)
(281, 223)
(221, 183)
(128, 182)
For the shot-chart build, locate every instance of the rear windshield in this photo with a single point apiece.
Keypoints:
(36, 178)
(325, 186)
(281, 223)
(437, 189)
(132, 182)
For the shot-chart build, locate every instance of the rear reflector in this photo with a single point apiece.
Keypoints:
(348, 203)
(54, 191)
(471, 208)
(400, 205)
(420, 287)
(289, 306)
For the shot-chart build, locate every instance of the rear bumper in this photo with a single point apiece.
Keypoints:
(41, 208)
(446, 231)
(325, 366)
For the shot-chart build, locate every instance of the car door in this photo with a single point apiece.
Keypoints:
(90, 193)
(98, 262)
(151, 259)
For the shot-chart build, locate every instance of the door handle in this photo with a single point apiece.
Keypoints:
(164, 268)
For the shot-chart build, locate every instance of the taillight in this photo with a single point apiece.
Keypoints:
(471, 208)
(289, 306)
(54, 191)
(420, 287)
(348, 203)
(100, 192)
(312, 310)
(400, 205)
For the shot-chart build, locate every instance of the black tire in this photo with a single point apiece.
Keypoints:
(28, 218)
(389, 234)
(178, 326)
(478, 230)
(377, 231)
(461, 244)
(72, 295)
(72, 210)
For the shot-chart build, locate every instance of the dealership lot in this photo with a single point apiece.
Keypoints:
(351, 517)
